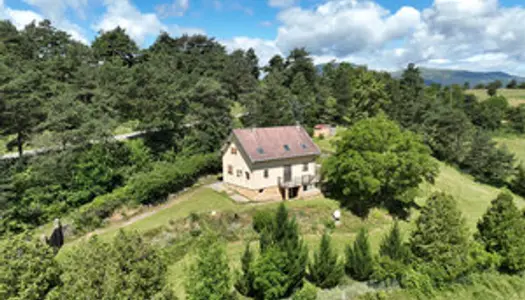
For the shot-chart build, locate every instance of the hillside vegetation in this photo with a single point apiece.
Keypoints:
(514, 96)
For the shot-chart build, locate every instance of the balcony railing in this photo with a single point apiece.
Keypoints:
(297, 181)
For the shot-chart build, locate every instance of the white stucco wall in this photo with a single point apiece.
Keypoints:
(257, 180)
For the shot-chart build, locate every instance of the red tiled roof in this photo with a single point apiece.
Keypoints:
(321, 126)
(272, 143)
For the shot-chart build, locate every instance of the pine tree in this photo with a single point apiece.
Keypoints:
(325, 271)
(518, 183)
(209, 276)
(392, 245)
(440, 242)
(502, 231)
(244, 284)
(284, 236)
(360, 262)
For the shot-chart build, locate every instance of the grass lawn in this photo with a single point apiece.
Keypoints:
(515, 97)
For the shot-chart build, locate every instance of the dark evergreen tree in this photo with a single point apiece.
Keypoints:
(114, 44)
(487, 162)
(440, 242)
(502, 231)
(359, 258)
(325, 270)
(393, 246)
(209, 276)
(245, 280)
(518, 183)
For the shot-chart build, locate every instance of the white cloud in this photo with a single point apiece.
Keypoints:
(265, 49)
(177, 8)
(281, 3)
(341, 27)
(138, 25)
(19, 18)
(458, 34)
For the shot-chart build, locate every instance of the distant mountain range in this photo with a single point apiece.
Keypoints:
(449, 77)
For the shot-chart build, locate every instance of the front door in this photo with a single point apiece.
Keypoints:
(287, 173)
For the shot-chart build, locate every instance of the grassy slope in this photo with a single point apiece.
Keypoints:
(515, 97)
(515, 144)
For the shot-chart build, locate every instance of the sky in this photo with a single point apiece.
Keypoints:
(476, 35)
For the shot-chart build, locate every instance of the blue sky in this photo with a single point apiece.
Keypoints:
(479, 35)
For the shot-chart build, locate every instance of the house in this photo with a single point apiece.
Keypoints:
(323, 130)
(271, 163)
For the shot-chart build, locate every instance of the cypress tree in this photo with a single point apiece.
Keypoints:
(392, 245)
(518, 183)
(325, 271)
(284, 236)
(360, 262)
(502, 231)
(209, 276)
(440, 242)
(244, 284)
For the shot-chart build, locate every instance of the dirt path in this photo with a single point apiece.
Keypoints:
(152, 210)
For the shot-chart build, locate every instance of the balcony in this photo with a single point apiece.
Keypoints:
(297, 181)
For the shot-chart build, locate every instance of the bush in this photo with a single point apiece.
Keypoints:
(262, 220)
(308, 292)
(165, 178)
(144, 188)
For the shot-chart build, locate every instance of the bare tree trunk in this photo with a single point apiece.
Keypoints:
(20, 144)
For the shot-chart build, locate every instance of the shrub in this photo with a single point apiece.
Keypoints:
(308, 292)
(262, 220)
(144, 188)
(166, 178)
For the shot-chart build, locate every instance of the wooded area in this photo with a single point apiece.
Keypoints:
(184, 92)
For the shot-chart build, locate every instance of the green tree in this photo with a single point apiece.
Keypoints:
(359, 258)
(28, 269)
(209, 276)
(300, 61)
(253, 61)
(409, 107)
(303, 103)
(517, 118)
(271, 104)
(282, 236)
(440, 242)
(271, 282)
(491, 113)
(487, 162)
(376, 163)
(125, 268)
(512, 84)
(502, 231)
(518, 183)
(208, 120)
(368, 97)
(114, 43)
(393, 246)
(245, 280)
(325, 270)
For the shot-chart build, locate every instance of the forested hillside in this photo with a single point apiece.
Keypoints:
(187, 93)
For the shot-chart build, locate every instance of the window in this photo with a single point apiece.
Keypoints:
(266, 173)
(304, 146)
(247, 176)
(305, 188)
(305, 167)
(286, 147)
(261, 191)
(239, 173)
(230, 169)
(260, 150)
(234, 151)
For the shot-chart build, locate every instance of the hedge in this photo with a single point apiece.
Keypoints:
(147, 188)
